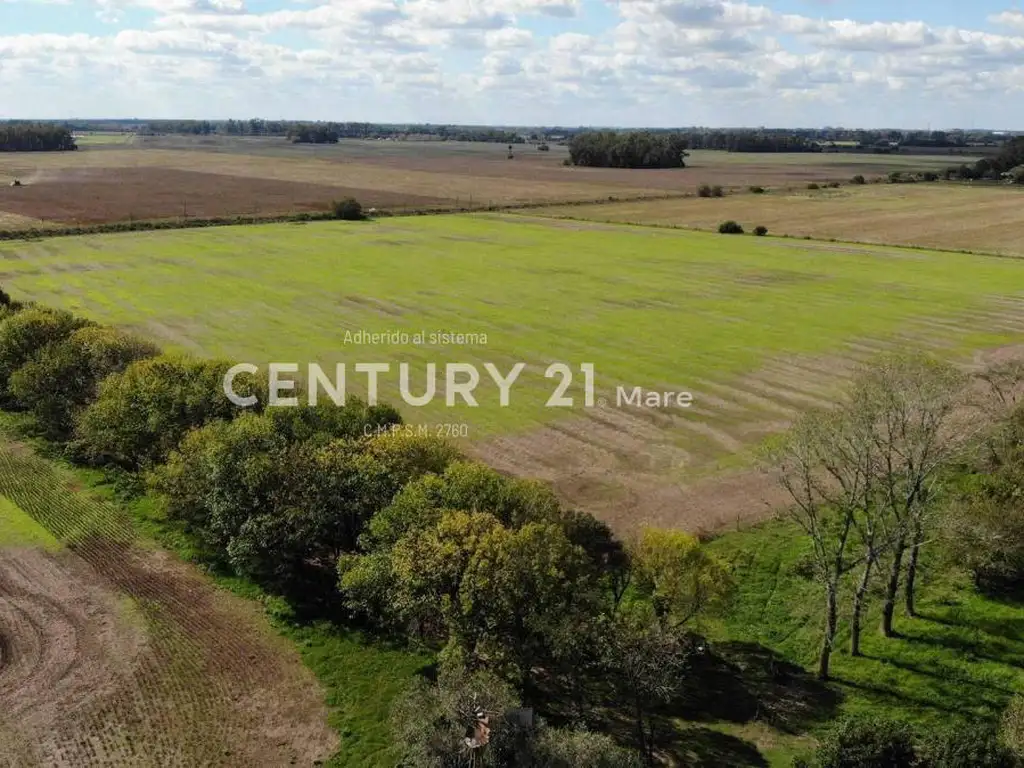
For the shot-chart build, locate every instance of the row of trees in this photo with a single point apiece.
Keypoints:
(633, 149)
(317, 132)
(35, 137)
(871, 481)
(354, 521)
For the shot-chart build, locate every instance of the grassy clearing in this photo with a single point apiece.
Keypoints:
(103, 139)
(18, 529)
(963, 658)
(936, 215)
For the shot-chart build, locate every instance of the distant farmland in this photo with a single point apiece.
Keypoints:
(116, 178)
(935, 215)
(756, 329)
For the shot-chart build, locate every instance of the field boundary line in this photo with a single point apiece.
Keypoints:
(800, 238)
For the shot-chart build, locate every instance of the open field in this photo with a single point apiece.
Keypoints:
(755, 328)
(103, 139)
(937, 215)
(113, 653)
(96, 195)
(168, 176)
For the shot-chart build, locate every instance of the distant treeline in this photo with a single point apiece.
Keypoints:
(35, 137)
(330, 132)
(635, 149)
(1008, 164)
(723, 139)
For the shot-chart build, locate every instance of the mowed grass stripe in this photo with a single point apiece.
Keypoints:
(18, 529)
(651, 308)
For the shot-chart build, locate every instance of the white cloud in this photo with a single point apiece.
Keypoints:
(659, 61)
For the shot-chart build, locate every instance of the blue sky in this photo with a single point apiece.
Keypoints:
(861, 63)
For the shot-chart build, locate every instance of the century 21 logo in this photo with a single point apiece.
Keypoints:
(461, 381)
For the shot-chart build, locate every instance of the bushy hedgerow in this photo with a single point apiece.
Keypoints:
(64, 376)
(141, 414)
(24, 333)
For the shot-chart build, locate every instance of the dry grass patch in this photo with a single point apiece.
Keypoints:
(948, 216)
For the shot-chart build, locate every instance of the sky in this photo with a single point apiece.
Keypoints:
(921, 64)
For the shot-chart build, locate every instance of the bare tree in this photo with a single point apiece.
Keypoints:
(920, 423)
(647, 664)
(824, 464)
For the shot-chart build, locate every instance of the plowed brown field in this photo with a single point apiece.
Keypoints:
(114, 654)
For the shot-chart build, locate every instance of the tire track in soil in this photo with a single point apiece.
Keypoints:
(195, 680)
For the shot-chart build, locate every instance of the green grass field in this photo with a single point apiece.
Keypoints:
(655, 309)
(755, 328)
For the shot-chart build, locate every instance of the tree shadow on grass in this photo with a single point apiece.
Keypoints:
(1005, 628)
(998, 650)
(702, 747)
(740, 682)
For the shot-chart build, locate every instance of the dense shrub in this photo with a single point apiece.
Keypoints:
(760, 230)
(858, 179)
(1012, 730)
(25, 333)
(717, 191)
(558, 748)
(348, 209)
(813, 185)
(730, 228)
(966, 747)
(704, 190)
(866, 743)
(430, 721)
(757, 190)
(929, 176)
(63, 378)
(141, 414)
(985, 526)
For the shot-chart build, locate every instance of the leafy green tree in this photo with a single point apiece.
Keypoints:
(223, 473)
(140, 415)
(348, 209)
(63, 377)
(681, 578)
(23, 334)
(492, 595)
